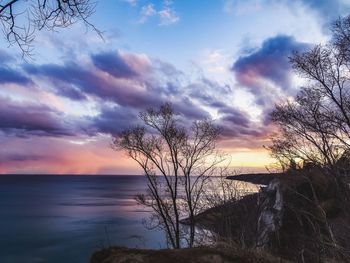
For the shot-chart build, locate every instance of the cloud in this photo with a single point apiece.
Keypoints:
(236, 123)
(9, 75)
(130, 2)
(114, 64)
(267, 70)
(121, 85)
(328, 10)
(68, 90)
(19, 157)
(72, 78)
(241, 7)
(65, 79)
(113, 119)
(233, 122)
(27, 119)
(120, 79)
(146, 12)
(128, 80)
(166, 14)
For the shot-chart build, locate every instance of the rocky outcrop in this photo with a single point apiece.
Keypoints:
(302, 215)
(271, 215)
(297, 215)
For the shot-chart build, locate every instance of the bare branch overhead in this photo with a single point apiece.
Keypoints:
(21, 19)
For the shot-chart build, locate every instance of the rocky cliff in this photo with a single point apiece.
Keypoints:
(304, 216)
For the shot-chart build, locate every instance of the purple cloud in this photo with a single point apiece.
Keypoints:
(114, 64)
(127, 93)
(235, 123)
(6, 157)
(76, 81)
(8, 75)
(268, 69)
(151, 87)
(24, 119)
(129, 83)
(112, 120)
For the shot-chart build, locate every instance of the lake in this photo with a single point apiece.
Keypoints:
(64, 218)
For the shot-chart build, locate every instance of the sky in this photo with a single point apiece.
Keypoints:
(220, 59)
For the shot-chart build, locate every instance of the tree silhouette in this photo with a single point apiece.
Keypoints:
(177, 163)
(315, 126)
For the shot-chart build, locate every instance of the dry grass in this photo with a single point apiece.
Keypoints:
(189, 255)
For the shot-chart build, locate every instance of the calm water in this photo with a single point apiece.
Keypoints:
(65, 218)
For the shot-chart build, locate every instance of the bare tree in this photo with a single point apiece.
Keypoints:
(307, 133)
(20, 19)
(315, 127)
(177, 163)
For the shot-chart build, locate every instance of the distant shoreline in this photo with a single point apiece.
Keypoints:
(258, 178)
